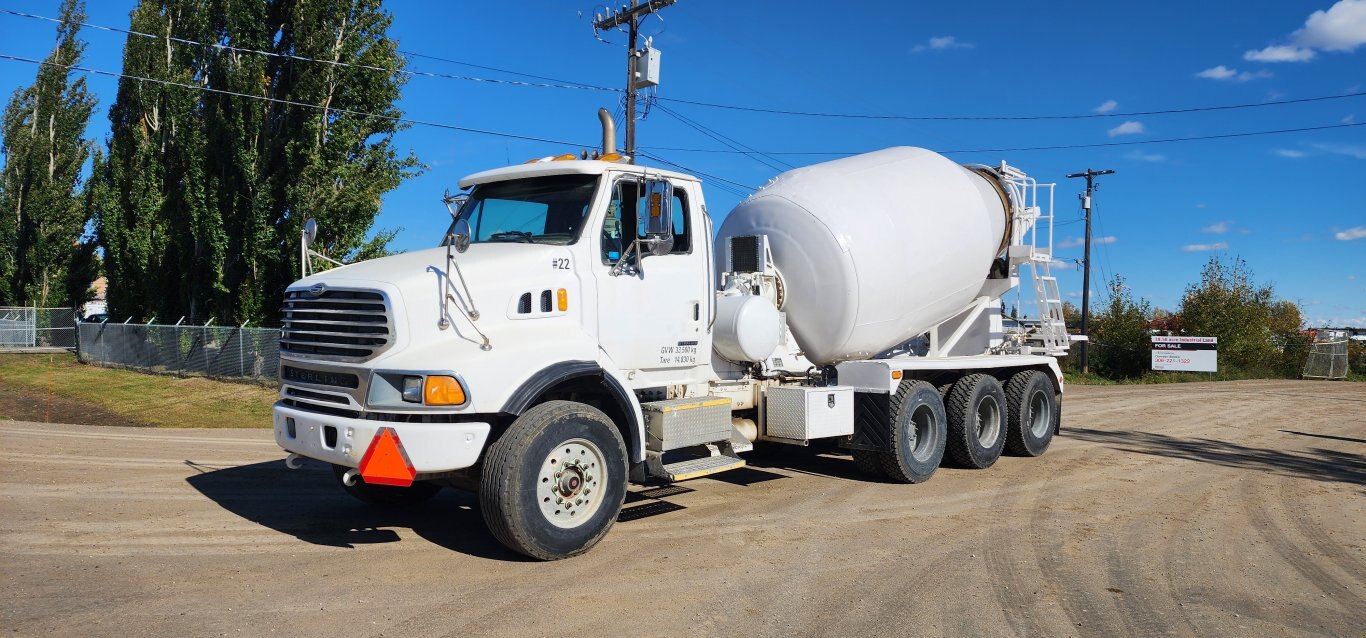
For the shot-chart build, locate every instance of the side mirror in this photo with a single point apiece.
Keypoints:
(656, 217)
(461, 241)
(310, 232)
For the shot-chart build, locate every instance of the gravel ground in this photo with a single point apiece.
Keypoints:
(1194, 509)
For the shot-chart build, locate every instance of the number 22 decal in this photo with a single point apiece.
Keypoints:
(559, 263)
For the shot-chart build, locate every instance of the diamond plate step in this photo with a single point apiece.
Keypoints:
(693, 468)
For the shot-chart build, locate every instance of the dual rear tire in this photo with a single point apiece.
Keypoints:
(973, 420)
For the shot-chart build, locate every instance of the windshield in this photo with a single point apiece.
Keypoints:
(537, 210)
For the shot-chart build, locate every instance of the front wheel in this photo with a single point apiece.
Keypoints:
(553, 484)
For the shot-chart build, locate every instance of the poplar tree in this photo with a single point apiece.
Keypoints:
(41, 214)
(209, 189)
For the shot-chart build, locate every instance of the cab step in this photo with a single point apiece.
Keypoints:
(692, 468)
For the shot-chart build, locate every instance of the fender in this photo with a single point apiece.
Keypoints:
(558, 373)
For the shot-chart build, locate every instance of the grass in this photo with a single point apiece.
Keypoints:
(155, 400)
(1180, 377)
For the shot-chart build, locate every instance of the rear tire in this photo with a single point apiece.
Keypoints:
(387, 496)
(1034, 413)
(918, 433)
(553, 484)
(976, 407)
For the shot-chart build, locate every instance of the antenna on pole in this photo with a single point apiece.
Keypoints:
(1090, 176)
(629, 17)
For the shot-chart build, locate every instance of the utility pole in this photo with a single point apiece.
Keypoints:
(1090, 176)
(630, 17)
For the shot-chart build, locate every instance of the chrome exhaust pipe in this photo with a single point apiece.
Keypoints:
(350, 477)
(294, 461)
(609, 131)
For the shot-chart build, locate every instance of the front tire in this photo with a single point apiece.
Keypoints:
(387, 496)
(553, 484)
(918, 434)
(1034, 413)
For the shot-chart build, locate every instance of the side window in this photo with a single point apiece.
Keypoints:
(623, 223)
(681, 222)
(619, 226)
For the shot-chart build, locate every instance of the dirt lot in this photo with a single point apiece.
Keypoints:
(1193, 509)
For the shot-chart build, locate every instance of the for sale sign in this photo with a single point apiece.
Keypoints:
(1186, 354)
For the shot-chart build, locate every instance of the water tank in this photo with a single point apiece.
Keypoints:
(877, 248)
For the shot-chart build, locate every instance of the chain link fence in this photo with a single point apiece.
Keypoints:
(210, 351)
(1327, 360)
(37, 327)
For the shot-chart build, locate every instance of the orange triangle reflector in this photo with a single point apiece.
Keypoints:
(386, 463)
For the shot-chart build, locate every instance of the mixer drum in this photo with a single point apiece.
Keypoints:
(874, 249)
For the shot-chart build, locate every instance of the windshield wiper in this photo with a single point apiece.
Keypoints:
(512, 235)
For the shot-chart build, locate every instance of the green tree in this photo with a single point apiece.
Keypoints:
(41, 215)
(1228, 304)
(208, 190)
(1120, 333)
(153, 200)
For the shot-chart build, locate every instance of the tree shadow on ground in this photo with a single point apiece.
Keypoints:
(1317, 463)
(309, 504)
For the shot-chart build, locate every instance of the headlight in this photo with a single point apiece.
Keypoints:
(412, 389)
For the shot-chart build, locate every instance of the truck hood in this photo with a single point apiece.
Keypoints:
(498, 277)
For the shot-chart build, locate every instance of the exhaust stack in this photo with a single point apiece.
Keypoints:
(609, 131)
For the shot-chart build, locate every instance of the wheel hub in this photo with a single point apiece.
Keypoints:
(567, 489)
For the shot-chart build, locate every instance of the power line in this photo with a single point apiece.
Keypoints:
(196, 87)
(722, 139)
(723, 181)
(286, 56)
(570, 84)
(414, 54)
(1042, 148)
(1012, 118)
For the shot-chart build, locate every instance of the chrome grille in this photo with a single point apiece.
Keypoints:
(335, 325)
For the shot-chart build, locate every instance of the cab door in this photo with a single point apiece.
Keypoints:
(653, 308)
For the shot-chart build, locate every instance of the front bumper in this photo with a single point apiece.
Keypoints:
(432, 447)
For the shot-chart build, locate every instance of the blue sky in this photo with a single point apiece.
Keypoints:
(1292, 205)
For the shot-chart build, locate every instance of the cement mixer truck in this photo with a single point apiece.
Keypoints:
(581, 327)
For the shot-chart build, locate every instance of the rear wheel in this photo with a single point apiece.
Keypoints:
(1034, 413)
(387, 495)
(976, 407)
(918, 432)
(553, 484)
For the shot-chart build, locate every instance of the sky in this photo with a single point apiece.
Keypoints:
(1291, 204)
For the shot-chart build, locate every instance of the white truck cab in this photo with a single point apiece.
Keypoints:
(572, 333)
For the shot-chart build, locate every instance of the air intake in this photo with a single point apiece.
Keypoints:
(335, 325)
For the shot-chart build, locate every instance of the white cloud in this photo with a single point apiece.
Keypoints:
(940, 43)
(1146, 157)
(1341, 28)
(1225, 74)
(1282, 53)
(1075, 242)
(1351, 233)
(1351, 150)
(1351, 277)
(1106, 106)
(1217, 228)
(1351, 117)
(1289, 152)
(1220, 72)
(1191, 248)
(1127, 128)
(1200, 205)
(1061, 265)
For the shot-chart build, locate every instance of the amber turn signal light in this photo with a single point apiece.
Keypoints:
(443, 390)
